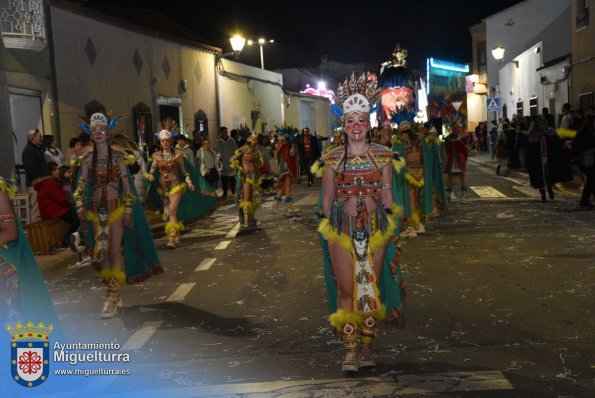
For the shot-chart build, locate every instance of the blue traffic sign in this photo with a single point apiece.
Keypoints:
(493, 104)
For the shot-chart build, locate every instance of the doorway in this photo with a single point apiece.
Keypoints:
(25, 114)
(172, 108)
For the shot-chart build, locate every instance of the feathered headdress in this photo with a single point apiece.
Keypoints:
(355, 95)
(404, 120)
(99, 119)
(454, 119)
(169, 129)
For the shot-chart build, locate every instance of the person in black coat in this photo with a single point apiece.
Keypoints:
(309, 152)
(33, 157)
(583, 151)
(546, 159)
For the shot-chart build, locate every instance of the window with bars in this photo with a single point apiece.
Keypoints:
(519, 108)
(582, 14)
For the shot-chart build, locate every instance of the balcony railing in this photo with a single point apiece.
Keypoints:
(582, 18)
(22, 23)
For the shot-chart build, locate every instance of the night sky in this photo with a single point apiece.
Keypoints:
(347, 31)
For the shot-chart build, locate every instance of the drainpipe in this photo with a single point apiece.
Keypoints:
(53, 75)
(217, 105)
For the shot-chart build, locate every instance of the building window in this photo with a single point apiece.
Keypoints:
(533, 109)
(582, 14)
(585, 100)
(22, 24)
(519, 108)
(201, 123)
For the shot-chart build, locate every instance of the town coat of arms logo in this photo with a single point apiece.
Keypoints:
(29, 353)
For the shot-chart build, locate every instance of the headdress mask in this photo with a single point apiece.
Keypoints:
(99, 120)
(355, 95)
(169, 129)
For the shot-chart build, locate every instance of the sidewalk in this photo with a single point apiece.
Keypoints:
(65, 258)
(572, 188)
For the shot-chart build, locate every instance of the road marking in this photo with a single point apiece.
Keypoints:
(428, 384)
(222, 245)
(233, 232)
(488, 192)
(205, 264)
(142, 335)
(527, 190)
(226, 207)
(519, 182)
(225, 218)
(181, 292)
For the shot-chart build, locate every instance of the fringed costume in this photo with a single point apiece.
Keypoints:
(171, 175)
(361, 235)
(360, 220)
(23, 291)
(434, 197)
(287, 159)
(247, 162)
(105, 194)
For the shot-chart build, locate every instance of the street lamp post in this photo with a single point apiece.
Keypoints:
(261, 42)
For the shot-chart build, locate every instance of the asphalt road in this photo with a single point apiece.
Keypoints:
(500, 304)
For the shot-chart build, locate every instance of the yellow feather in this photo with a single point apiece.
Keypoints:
(92, 217)
(116, 215)
(178, 188)
(411, 180)
(331, 235)
(173, 225)
(129, 159)
(398, 165)
(566, 133)
(341, 317)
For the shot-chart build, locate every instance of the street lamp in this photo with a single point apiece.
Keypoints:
(498, 52)
(261, 42)
(237, 43)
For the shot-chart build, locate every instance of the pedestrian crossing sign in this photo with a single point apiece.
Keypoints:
(493, 104)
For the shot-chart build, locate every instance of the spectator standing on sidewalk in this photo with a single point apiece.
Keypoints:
(226, 148)
(566, 120)
(51, 151)
(493, 137)
(545, 158)
(209, 163)
(72, 152)
(309, 152)
(33, 156)
(549, 118)
(34, 163)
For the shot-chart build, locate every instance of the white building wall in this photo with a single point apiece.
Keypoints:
(113, 80)
(244, 89)
(522, 26)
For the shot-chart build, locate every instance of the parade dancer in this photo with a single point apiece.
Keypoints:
(358, 231)
(286, 154)
(434, 195)
(105, 197)
(414, 174)
(456, 146)
(247, 162)
(399, 109)
(173, 181)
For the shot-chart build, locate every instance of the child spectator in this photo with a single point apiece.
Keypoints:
(53, 203)
(65, 179)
